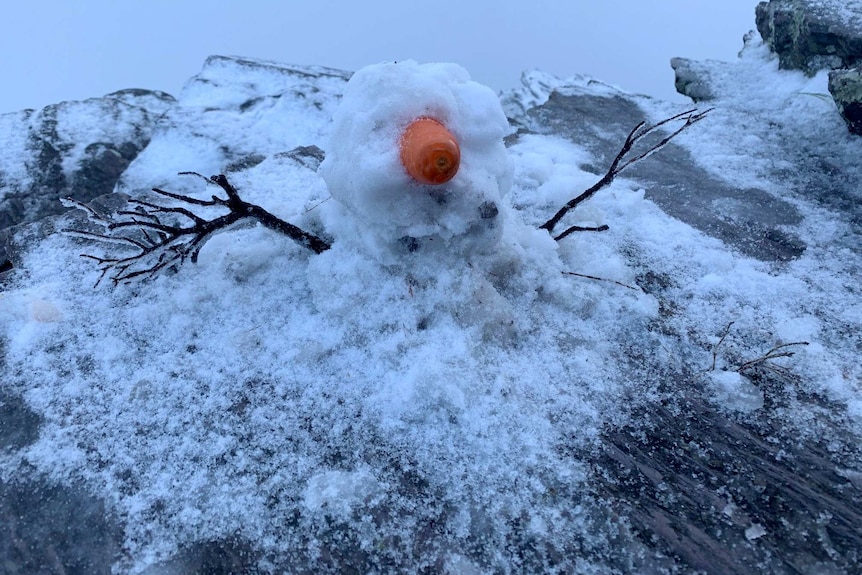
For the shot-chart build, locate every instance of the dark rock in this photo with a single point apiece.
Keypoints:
(231, 556)
(244, 163)
(846, 89)
(309, 156)
(722, 496)
(811, 35)
(19, 426)
(49, 529)
(749, 219)
(76, 149)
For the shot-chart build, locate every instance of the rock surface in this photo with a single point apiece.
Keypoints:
(691, 79)
(809, 35)
(48, 154)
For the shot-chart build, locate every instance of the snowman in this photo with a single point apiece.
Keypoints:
(419, 172)
(416, 162)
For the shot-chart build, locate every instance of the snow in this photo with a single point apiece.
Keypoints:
(367, 393)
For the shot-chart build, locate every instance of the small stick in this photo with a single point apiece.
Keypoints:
(602, 280)
(620, 163)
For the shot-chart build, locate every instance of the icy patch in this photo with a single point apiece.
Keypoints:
(734, 391)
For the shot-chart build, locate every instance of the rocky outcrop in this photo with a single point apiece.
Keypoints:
(811, 35)
(85, 149)
(691, 79)
(846, 89)
(75, 149)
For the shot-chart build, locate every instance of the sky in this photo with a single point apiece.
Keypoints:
(54, 50)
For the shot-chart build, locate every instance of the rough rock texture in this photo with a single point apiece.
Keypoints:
(846, 88)
(811, 35)
(50, 154)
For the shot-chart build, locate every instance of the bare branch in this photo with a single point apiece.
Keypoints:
(718, 345)
(602, 280)
(159, 245)
(771, 354)
(573, 229)
(623, 161)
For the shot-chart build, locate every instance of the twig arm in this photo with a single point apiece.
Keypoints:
(161, 244)
(621, 162)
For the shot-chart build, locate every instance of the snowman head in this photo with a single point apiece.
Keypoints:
(388, 209)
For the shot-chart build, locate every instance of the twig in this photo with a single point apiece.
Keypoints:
(771, 354)
(602, 280)
(159, 244)
(718, 345)
(622, 161)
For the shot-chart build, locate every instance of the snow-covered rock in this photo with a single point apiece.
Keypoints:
(846, 88)
(811, 35)
(527, 406)
(76, 149)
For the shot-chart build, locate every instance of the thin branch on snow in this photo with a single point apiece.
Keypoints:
(589, 277)
(771, 354)
(625, 158)
(764, 361)
(158, 243)
(718, 345)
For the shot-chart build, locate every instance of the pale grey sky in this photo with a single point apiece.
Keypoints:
(54, 50)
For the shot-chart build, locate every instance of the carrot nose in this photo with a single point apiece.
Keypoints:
(430, 152)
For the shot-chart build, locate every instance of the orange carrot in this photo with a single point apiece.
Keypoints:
(429, 151)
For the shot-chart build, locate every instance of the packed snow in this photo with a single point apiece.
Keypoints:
(431, 405)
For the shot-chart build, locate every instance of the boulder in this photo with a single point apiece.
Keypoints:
(691, 79)
(846, 89)
(811, 35)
